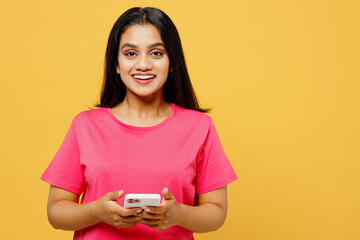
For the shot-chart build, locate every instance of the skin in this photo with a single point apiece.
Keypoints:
(144, 104)
(141, 51)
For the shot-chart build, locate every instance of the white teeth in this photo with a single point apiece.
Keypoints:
(143, 77)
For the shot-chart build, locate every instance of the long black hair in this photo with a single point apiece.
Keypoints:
(177, 88)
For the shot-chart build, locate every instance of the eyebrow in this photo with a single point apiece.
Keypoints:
(158, 44)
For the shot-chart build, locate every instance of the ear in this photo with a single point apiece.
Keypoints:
(117, 69)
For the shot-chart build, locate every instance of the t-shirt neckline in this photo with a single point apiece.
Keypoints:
(172, 114)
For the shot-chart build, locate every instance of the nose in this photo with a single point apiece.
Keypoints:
(143, 63)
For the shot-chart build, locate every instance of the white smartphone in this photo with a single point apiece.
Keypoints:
(141, 200)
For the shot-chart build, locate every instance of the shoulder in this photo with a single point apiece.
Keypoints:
(192, 116)
(90, 115)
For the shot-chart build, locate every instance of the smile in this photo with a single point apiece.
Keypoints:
(143, 77)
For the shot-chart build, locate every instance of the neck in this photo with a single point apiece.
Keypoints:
(144, 107)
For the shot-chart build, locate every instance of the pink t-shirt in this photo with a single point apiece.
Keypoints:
(100, 154)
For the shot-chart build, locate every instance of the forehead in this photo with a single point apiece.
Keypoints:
(141, 35)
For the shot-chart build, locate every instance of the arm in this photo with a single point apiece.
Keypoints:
(208, 216)
(64, 211)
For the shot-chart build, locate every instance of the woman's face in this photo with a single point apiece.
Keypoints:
(143, 63)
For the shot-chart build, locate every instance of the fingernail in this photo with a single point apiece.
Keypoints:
(139, 210)
(147, 209)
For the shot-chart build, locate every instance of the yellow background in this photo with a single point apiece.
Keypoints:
(282, 77)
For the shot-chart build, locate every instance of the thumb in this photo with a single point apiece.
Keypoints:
(167, 195)
(113, 196)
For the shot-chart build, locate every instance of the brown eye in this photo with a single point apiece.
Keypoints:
(157, 53)
(130, 54)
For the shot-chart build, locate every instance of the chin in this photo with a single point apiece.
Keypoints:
(145, 94)
(148, 93)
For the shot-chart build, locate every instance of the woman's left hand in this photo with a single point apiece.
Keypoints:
(164, 216)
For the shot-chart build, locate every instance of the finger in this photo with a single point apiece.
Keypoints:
(113, 196)
(146, 215)
(125, 212)
(156, 210)
(131, 219)
(167, 195)
(157, 225)
(150, 222)
(126, 225)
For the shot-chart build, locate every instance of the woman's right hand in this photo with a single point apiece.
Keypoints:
(107, 210)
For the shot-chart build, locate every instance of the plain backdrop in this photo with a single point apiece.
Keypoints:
(282, 78)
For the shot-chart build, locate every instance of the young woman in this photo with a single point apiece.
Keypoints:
(148, 135)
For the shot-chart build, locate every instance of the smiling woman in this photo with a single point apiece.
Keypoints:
(148, 136)
(143, 60)
(177, 87)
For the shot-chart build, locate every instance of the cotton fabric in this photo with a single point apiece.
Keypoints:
(101, 154)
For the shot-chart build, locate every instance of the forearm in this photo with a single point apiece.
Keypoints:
(204, 218)
(68, 215)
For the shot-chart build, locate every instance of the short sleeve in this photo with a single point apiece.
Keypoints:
(213, 167)
(65, 170)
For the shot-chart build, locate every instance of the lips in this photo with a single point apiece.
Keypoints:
(143, 78)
